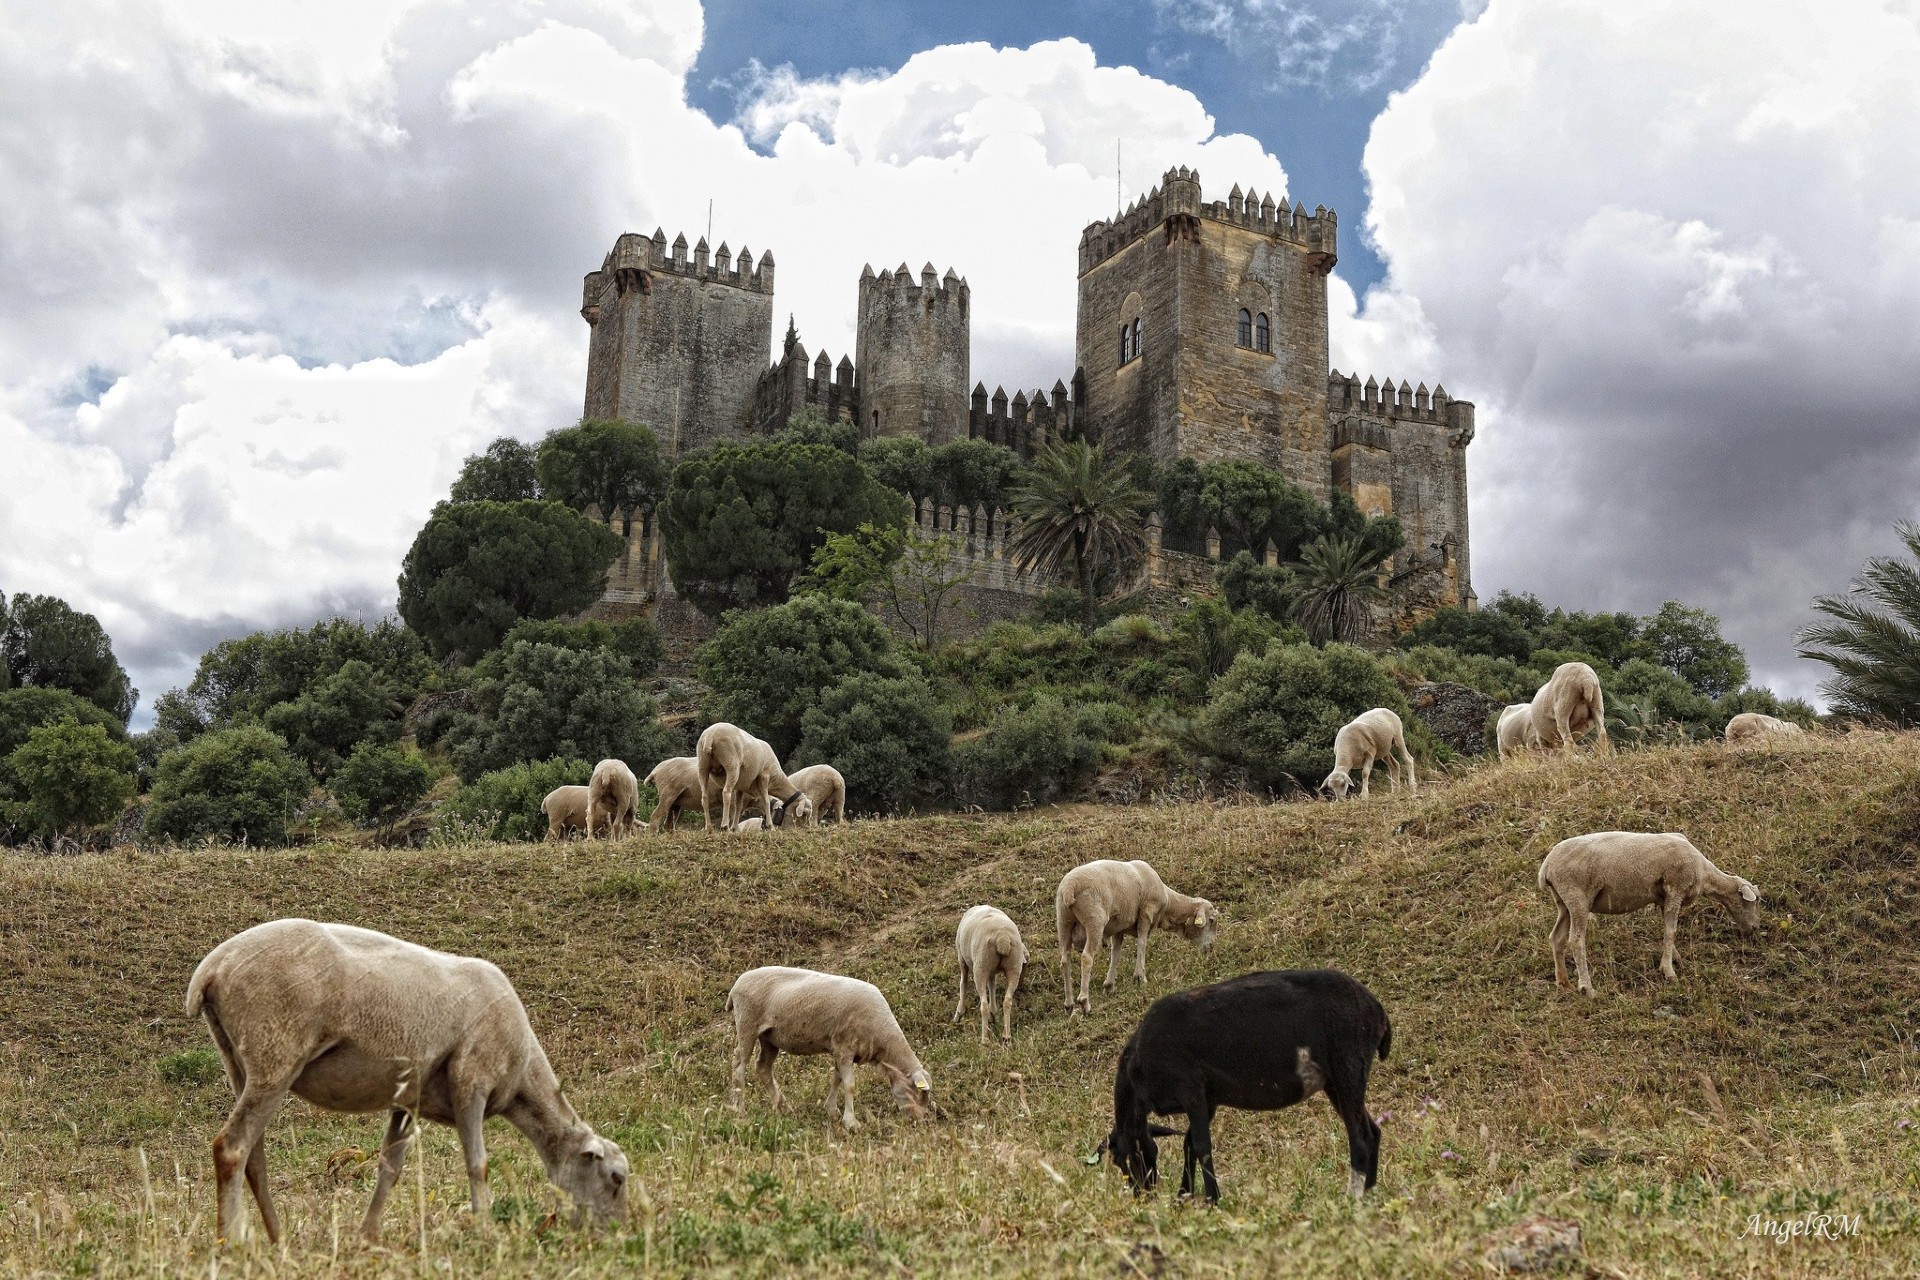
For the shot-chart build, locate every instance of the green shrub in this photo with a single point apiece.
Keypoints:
(767, 667)
(192, 1066)
(1025, 756)
(1671, 697)
(349, 707)
(1500, 678)
(1766, 702)
(505, 804)
(1276, 713)
(637, 640)
(1146, 679)
(378, 783)
(235, 784)
(21, 712)
(68, 776)
(888, 736)
(1131, 632)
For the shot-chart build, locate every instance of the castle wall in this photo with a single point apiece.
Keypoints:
(1026, 422)
(791, 385)
(911, 354)
(679, 342)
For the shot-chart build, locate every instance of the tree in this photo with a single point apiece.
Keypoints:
(248, 676)
(1871, 637)
(71, 775)
(1338, 583)
(1688, 643)
(903, 464)
(1277, 712)
(22, 711)
(1251, 506)
(603, 463)
(972, 473)
(887, 735)
(767, 667)
(1027, 755)
(637, 640)
(912, 576)
(379, 782)
(479, 567)
(809, 426)
(47, 644)
(505, 804)
(1491, 632)
(351, 707)
(1078, 509)
(505, 472)
(741, 521)
(1245, 583)
(231, 784)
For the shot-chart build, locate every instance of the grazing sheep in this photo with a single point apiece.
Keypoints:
(756, 823)
(1612, 873)
(356, 1021)
(1258, 1042)
(744, 769)
(1104, 901)
(613, 791)
(1516, 726)
(988, 945)
(803, 1012)
(1751, 726)
(566, 811)
(825, 788)
(676, 781)
(1566, 706)
(1370, 736)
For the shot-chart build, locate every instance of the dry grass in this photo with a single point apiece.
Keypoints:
(1774, 1079)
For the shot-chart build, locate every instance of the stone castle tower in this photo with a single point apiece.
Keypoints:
(1201, 333)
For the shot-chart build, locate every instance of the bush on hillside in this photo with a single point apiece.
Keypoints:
(68, 776)
(1276, 713)
(21, 712)
(767, 667)
(247, 677)
(611, 466)
(505, 804)
(229, 784)
(887, 735)
(350, 707)
(504, 472)
(810, 426)
(45, 643)
(637, 640)
(1767, 703)
(378, 783)
(1026, 756)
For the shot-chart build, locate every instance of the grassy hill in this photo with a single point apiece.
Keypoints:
(1781, 1075)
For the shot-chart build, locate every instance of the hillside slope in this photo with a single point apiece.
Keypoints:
(1779, 1076)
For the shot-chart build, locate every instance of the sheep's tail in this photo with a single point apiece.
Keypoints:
(1386, 1041)
(197, 988)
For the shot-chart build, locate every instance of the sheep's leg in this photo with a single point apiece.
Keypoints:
(983, 985)
(1577, 939)
(1140, 951)
(470, 1119)
(1006, 1008)
(1670, 911)
(257, 1183)
(1113, 961)
(1563, 721)
(1558, 939)
(960, 1009)
(233, 1149)
(1413, 783)
(764, 1069)
(393, 1154)
(743, 1049)
(843, 1075)
(1066, 972)
(1087, 953)
(1366, 775)
(1349, 1099)
(1199, 1147)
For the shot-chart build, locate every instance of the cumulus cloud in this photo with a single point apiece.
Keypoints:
(1671, 249)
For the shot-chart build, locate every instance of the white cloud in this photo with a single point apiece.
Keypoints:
(1671, 249)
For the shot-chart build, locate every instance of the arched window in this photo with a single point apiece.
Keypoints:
(1261, 341)
(1136, 335)
(1126, 339)
(1245, 335)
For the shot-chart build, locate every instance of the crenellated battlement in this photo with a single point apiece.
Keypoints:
(792, 383)
(950, 289)
(1365, 412)
(1179, 193)
(636, 259)
(1024, 423)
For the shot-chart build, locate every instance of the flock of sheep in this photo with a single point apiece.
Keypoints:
(357, 1021)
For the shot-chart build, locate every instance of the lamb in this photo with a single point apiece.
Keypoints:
(825, 788)
(1104, 901)
(356, 1021)
(803, 1012)
(1565, 707)
(1515, 727)
(744, 768)
(566, 811)
(1751, 726)
(615, 792)
(1370, 736)
(1616, 872)
(676, 783)
(1259, 1042)
(988, 945)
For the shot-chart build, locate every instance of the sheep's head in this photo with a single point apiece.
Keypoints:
(913, 1092)
(779, 811)
(1201, 926)
(1743, 904)
(799, 805)
(1337, 785)
(1134, 1152)
(594, 1172)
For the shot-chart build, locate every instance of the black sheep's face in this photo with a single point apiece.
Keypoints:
(1137, 1156)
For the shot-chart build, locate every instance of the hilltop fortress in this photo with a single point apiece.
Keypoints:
(1201, 333)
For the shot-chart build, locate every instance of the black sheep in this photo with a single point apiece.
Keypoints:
(1260, 1042)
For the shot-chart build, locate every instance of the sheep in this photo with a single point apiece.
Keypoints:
(988, 945)
(676, 783)
(745, 768)
(754, 824)
(1258, 1042)
(1616, 872)
(615, 792)
(1104, 901)
(1515, 728)
(1751, 726)
(804, 1012)
(566, 811)
(1370, 736)
(825, 788)
(1565, 707)
(356, 1021)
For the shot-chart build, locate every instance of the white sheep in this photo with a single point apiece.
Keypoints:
(801, 1011)
(566, 811)
(825, 788)
(1368, 737)
(755, 823)
(676, 783)
(1565, 707)
(744, 769)
(1102, 902)
(356, 1021)
(1515, 728)
(614, 792)
(989, 946)
(1613, 873)
(1751, 726)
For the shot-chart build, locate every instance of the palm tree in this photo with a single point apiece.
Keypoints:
(1077, 509)
(1338, 580)
(1873, 639)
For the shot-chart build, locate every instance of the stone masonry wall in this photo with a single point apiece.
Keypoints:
(911, 355)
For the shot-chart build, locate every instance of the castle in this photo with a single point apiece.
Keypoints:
(1201, 333)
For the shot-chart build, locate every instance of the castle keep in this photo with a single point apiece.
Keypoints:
(1201, 333)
